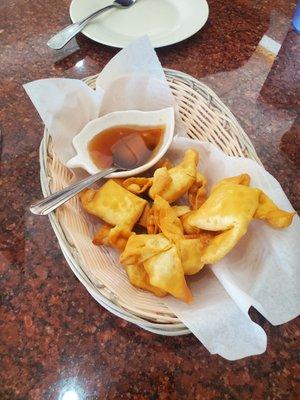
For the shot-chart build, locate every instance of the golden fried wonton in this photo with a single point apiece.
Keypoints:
(118, 237)
(229, 209)
(175, 182)
(243, 179)
(162, 264)
(113, 204)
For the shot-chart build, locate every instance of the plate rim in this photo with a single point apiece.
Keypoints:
(156, 46)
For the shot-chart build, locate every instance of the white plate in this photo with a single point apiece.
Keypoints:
(164, 21)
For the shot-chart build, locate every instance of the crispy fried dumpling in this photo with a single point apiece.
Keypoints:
(191, 251)
(229, 209)
(188, 228)
(161, 262)
(119, 208)
(113, 204)
(243, 179)
(118, 237)
(181, 178)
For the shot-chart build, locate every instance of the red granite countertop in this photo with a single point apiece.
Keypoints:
(54, 337)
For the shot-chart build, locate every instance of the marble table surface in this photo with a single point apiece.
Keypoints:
(56, 342)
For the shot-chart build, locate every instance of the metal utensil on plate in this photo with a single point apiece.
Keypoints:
(64, 36)
(126, 156)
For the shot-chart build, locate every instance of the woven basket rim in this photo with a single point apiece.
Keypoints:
(173, 326)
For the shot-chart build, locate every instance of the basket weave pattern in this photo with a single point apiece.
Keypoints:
(205, 118)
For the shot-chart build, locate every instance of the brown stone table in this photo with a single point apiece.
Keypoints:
(54, 337)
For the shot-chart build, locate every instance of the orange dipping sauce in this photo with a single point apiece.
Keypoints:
(100, 147)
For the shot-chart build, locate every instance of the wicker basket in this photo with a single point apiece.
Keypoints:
(206, 118)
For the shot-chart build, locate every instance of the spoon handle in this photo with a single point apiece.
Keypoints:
(65, 35)
(50, 203)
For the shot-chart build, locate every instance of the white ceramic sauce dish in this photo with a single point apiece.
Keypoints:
(148, 119)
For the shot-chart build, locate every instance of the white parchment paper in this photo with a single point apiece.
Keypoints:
(262, 270)
(133, 79)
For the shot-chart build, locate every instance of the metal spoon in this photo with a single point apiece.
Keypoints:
(126, 153)
(64, 36)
